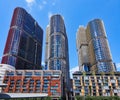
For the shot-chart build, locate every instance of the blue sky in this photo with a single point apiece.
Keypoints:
(75, 13)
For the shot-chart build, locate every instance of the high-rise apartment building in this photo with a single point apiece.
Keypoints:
(82, 49)
(23, 48)
(57, 47)
(47, 47)
(93, 48)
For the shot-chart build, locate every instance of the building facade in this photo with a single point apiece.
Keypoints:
(47, 47)
(57, 47)
(82, 49)
(33, 81)
(99, 84)
(23, 48)
(95, 48)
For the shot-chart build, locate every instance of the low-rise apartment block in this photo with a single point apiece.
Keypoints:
(96, 84)
(33, 81)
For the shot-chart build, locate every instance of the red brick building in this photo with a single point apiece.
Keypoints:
(33, 81)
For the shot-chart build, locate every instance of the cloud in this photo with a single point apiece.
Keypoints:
(30, 1)
(49, 15)
(42, 5)
(54, 2)
(118, 66)
(0, 57)
(74, 69)
(44, 2)
(43, 63)
(30, 4)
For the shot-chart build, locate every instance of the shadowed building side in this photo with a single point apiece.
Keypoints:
(23, 48)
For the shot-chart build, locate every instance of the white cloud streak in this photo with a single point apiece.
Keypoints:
(42, 5)
(74, 69)
(30, 4)
(30, 1)
(44, 2)
(43, 63)
(49, 15)
(118, 66)
(54, 2)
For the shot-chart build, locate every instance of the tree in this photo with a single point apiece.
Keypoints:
(47, 98)
(79, 97)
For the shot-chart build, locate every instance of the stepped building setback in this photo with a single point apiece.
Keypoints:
(97, 75)
(93, 48)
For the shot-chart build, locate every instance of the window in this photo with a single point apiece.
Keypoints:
(19, 73)
(53, 90)
(37, 73)
(10, 73)
(28, 73)
(47, 73)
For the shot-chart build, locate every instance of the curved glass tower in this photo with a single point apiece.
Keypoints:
(58, 44)
(99, 52)
(57, 47)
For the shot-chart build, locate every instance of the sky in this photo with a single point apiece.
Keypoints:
(75, 13)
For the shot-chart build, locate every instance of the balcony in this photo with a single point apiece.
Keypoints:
(112, 81)
(54, 87)
(76, 91)
(28, 74)
(105, 87)
(77, 85)
(55, 94)
(46, 81)
(45, 91)
(37, 86)
(37, 73)
(37, 90)
(86, 78)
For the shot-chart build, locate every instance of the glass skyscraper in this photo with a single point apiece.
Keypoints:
(57, 57)
(23, 48)
(98, 52)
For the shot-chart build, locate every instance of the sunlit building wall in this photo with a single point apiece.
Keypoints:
(99, 51)
(82, 49)
(93, 48)
(47, 47)
(96, 84)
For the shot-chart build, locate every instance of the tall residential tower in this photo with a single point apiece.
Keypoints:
(57, 57)
(23, 48)
(82, 49)
(95, 52)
